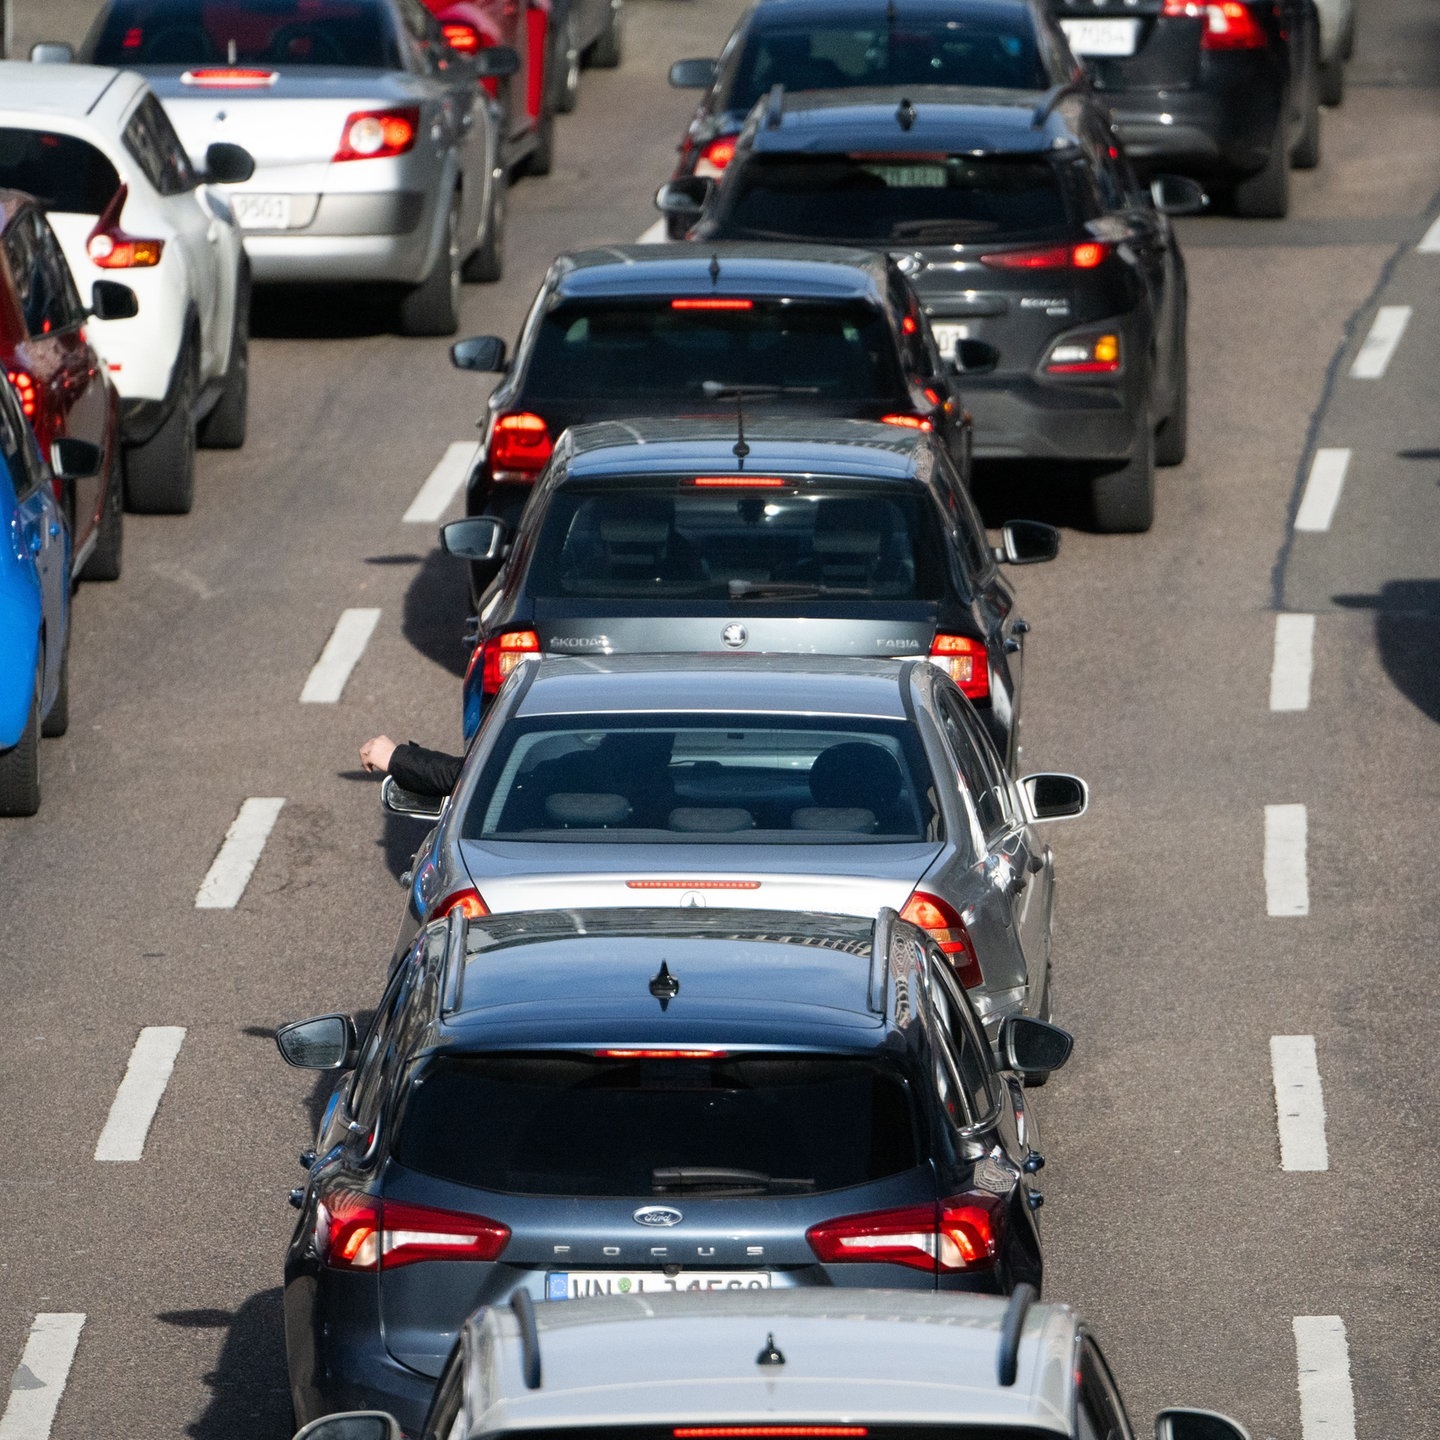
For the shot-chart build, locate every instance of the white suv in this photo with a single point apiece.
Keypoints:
(96, 148)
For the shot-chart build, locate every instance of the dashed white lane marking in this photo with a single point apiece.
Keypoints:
(138, 1097)
(1430, 245)
(1375, 354)
(1291, 666)
(444, 480)
(1299, 1103)
(225, 883)
(653, 234)
(1322, 490)
(340, 656)
(1322, 1359)
(40, 1377)
(1287, 890)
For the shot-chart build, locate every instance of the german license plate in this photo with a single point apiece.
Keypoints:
(261, 212)
(948, 337)
(588, 1284)
(1102, 37)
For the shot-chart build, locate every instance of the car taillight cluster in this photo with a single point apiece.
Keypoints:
(1229, 25)
(1084, 256)
(956, 1235)
(109, 247)
(715, 157)
(1085, 355)
(947, 928)
(909, 422)
(467, 901)
(461, 37)
(376, 134)
(499, 655)
(361, 1232)
(965, 661)
(520, 445)
(25, 392)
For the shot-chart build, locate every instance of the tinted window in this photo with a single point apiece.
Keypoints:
(736, 778)
(979, 767)
(582, 1125)
(664, 352)
(151, 139)
(869, 199)
(737, 546)
(992, 50)
(62, 173)
(350, 33)
(964, 1053)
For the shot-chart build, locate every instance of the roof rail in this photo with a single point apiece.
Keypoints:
(774, 106)
(1051, 98)
(455, 923)
(880, 959)
(524, 1308)
(1007, 1358)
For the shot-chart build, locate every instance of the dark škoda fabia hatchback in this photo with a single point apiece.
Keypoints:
(590, 1102)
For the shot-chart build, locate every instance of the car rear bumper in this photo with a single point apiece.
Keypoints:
(1031, 419)
(366, 237)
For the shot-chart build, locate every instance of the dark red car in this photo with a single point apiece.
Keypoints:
(61, 381)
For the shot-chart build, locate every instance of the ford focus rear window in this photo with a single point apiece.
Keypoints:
(562, 1124)
(64, 174)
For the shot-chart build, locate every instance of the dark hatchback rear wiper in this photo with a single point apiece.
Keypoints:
(724, 390)
(956, 232)
(665, 1178)
(792, 589)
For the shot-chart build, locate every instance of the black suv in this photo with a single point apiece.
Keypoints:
(1019, 223)
(597, 1102)
(662, 330)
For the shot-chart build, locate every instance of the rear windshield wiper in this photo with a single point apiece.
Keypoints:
(956, 231)
(664, 1178)
(723, 390)
(791, 589)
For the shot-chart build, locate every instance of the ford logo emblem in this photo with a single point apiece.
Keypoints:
(735, 635)
(657, 1216)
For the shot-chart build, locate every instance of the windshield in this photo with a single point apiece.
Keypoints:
(708, 779)
(349, 33)
(995, 50)
(907, 199)
(568, 1124)
(796, 540)
(669, 349)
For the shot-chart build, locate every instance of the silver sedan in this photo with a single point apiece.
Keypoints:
(785, 783)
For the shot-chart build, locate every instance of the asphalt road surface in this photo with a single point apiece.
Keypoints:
(1252, 690)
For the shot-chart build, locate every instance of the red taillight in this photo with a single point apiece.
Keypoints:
(957, 1235)
(740, 482)
(908, 422)
(661, 1054)
(1229, 24)
(947, 928)
(461, 37)
(716, 156)
(965, 661)
(109, 247)
(376, 134)
(500, 654)
(1085, 355)
(766, 1432)
(1085, 256)
(467, 901)
(356, 1232)
(230, 78)
(1088, 255)
(520, 444)
(25, 392)
(717, 302)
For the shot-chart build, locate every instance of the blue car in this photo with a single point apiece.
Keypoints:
(34, 605)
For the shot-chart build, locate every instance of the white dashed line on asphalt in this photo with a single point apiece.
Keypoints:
(445, 479)
(341, 654)
(1299, 1103)
(1430, 245)
(653, 234)
(225, 883)
(138, 1098)
(1375, 354)
(1322, 490)
(1290, 668)
(1322, 1360)
(1287, 890)
(40, 1377)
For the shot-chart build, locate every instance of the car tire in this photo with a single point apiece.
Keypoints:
(433, 306)
(1266, 194)
(105, 559)
(224, 427)
(566, 68)
(541, 160)
(486, 263)
(1332, 82)
(1171, 436)
(20, 766)
(1306, 154)
(608, 51)
(1123, 501)
(57, 722)
(160, 472)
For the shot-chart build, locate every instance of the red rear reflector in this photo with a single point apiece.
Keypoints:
(500, 654)
(376, 134)
(230, 78)
(716, 303)
(763, 1432)
(692, 884)
(908, 422)
(461, 37)
(716, 156)
(521, 444)
(947, 928)
(661, 1054)
(965, 661)
(959, 1236)
(134, 38)
(1231, 25)
(467, 901)
(1085, 256)
(25, 390)
(740, 482)
(908, 325)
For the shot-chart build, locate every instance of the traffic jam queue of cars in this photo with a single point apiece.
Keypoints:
(725, 968)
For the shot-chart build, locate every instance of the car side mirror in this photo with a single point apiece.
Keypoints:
(1055, 796)
(1178, 195)
(227, 164)
(1177, 1423)
(400, 801)
(110, 300)
(1033, 1047)
(684, 199)
(692, 74)
(52, 52)
(1027, 542)
(481, 537)
(353, 1425)
(496, 62)
(73, 459)
(328, 1042)
(484, 354)
(975, 357)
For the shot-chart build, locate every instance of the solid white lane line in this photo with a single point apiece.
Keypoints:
(40, 1378)
(1322, 1359)
(340, 656)
(444, 480)
(1287, 891)
(1299, 1103)
(1430, 245)
(1322, 490)
(138, 1097)
(225, 883)
(653, 234)
(1294, 657)
(1380, 343)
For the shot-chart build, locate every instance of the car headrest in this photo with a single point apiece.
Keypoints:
(587, 812)
(856, 773)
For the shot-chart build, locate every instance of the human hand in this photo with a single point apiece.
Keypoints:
(375, 754)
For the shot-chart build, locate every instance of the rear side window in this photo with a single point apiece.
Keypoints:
(151, 140)
(64, 174)
(42, 279)
(565, 1124)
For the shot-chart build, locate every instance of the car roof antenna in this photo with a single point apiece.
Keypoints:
(664, 986)
(740, 449)
(770, 1355)
(714, 269)
(905, 114)
(1007, 1358)
(775, 106)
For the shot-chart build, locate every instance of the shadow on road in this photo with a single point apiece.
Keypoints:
(436, 605)
(1407, 634)
(314, 313)
(1026, 490)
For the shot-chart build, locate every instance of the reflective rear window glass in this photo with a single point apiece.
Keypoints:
(571, 1124)
(64, 174)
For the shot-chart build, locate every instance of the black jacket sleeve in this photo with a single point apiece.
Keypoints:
(425, 772)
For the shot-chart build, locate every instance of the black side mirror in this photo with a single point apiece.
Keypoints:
(685, 198)
(692, 74)
(1028, 542)
(496, 62)
(74, 459)
(481, 537)
(1033, 1047)
(328, 1042)
(353, 1425)
(1055, 796)
(1178, 195)
(975, 357)
(52, 52)
(227, 164)
(1176, 1423)
(481, 353)
(110, 300)
(400, 801)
